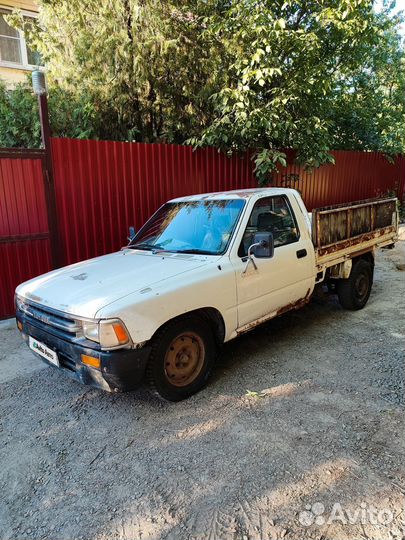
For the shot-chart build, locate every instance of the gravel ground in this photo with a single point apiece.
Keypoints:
(315, 449)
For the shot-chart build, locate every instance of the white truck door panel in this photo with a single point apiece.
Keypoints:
(285, 278)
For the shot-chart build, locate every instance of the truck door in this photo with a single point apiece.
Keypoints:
(285, 278)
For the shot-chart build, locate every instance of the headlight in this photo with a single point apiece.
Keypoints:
(109, 333)
(90, 331)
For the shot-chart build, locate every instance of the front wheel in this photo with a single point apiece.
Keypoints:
(354, 292)
(182, 358)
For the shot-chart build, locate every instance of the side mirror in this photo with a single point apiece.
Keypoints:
(131, 233)
(263, 245)
(262, 248)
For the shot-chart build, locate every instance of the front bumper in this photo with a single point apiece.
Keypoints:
(120, 370)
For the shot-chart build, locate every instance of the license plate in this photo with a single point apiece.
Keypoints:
(44, 351)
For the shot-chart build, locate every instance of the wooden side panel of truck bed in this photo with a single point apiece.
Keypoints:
(346, 229)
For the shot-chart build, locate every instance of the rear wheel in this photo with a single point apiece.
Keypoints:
(182, 358)
(354, 292)
(331, 285)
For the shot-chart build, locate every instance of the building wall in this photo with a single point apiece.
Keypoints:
(29, 5)
(13, 75)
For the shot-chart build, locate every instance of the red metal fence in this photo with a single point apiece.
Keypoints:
(24, 233)
(103, 187)
(354, 176)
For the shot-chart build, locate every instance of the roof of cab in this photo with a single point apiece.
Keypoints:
(234, 194)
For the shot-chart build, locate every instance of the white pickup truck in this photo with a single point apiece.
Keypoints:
(200, 272)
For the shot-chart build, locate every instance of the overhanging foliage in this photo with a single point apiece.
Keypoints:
(255, 74)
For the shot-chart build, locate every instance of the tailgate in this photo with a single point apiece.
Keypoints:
(337, 228)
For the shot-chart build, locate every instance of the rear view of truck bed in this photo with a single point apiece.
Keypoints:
(347, 230)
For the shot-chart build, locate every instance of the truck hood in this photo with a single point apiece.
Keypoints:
(82, 289)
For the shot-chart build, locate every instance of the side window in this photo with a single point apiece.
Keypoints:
(271, 214)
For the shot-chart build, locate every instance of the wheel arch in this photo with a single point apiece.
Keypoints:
(210, 315)
(368, 256)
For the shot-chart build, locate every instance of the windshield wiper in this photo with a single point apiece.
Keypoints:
(160, 249)
(197, 251)
(146, 246)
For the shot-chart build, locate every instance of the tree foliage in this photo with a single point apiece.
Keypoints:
(19, 119)
(144, 64)
(307, 75)
(369, 105)
(70, 116)
(262, 74)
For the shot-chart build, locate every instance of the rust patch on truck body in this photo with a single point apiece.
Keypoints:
(280, 311)
(345, 231)
(350, 242)
(344, 225)
(295, 305)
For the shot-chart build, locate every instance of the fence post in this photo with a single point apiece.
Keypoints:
(39, 87)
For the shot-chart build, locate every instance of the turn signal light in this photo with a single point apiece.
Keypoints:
(120, 332)
(19, 326)
(91, 361)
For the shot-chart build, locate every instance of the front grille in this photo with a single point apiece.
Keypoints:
(50, 317)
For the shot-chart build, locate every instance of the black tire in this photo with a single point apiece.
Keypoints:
(354, 292)
(331, 285)
(182, 358)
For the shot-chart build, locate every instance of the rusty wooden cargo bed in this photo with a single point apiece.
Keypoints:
(346, 230)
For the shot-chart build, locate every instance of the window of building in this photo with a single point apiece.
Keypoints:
(14, 51)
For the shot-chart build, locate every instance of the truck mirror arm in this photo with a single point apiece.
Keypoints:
(250, 258)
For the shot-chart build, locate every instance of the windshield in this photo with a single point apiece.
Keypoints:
(190, 227)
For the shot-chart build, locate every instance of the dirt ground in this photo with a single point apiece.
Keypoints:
(315, 449)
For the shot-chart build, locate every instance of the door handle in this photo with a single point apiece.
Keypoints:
(301, 253)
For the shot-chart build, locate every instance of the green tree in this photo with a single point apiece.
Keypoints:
(312, 75)
(296, 70)
(369, 106)
(19, 119)
(146, 65)
(70, 116)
